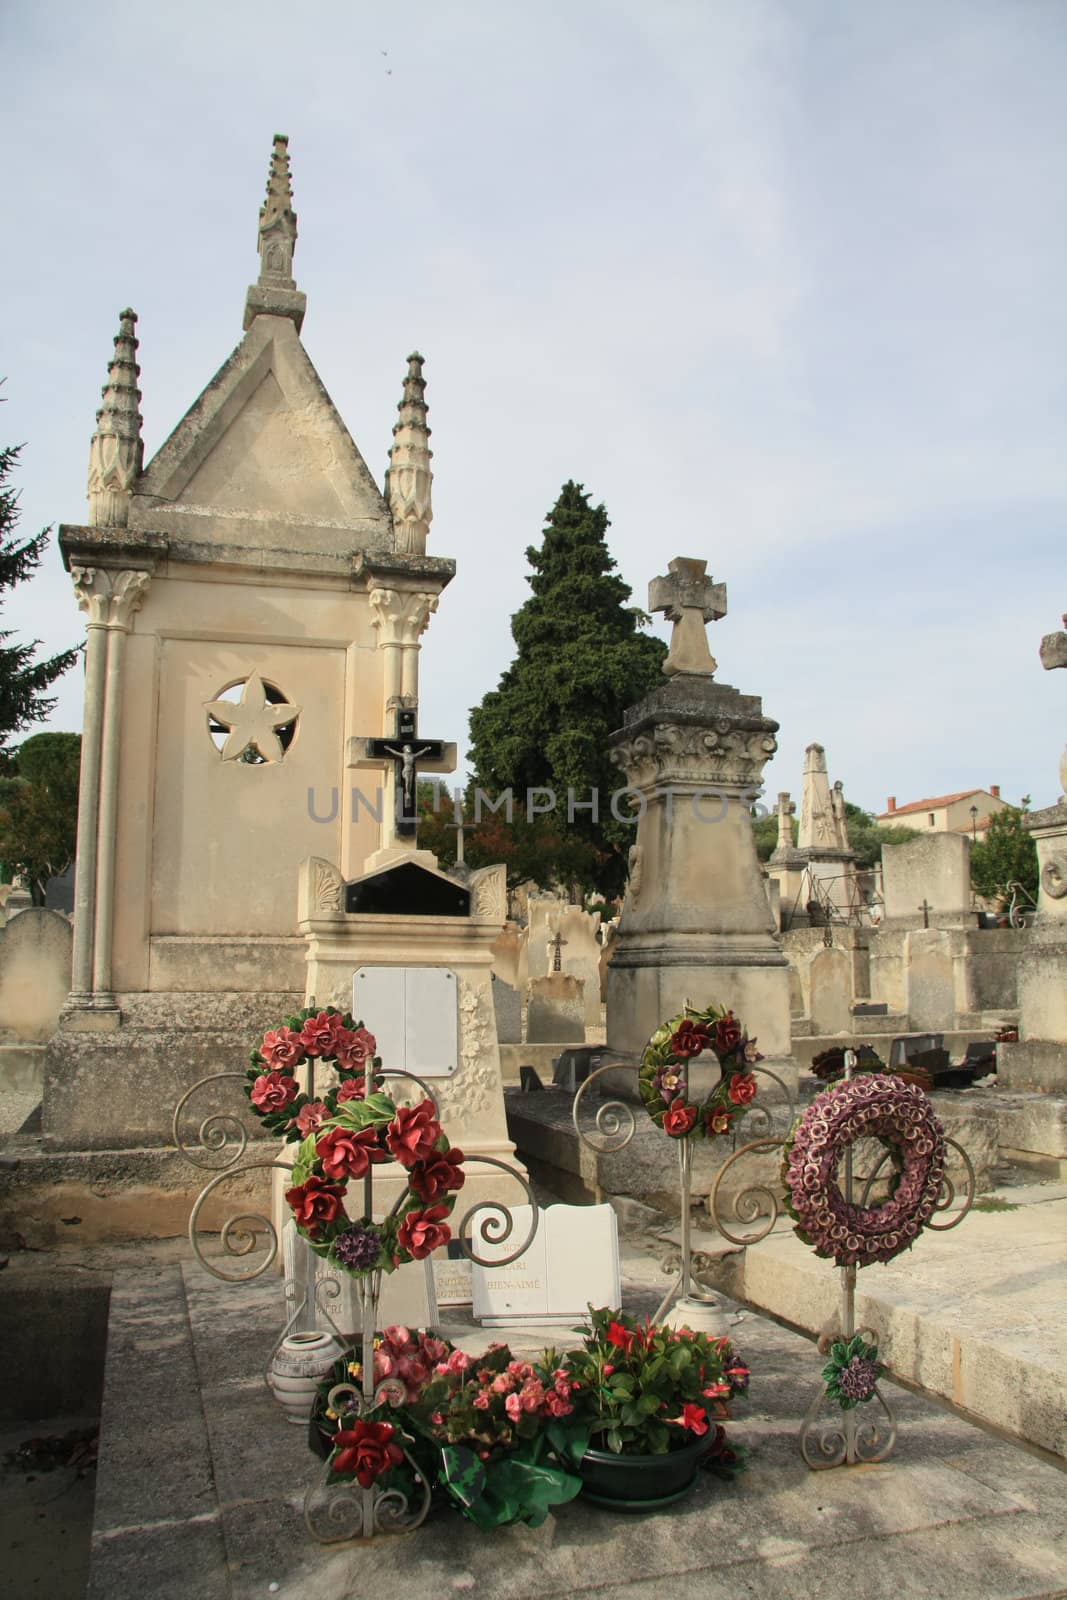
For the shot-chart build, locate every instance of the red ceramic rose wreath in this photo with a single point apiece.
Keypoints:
(663, 1078)
(331, 1039)
(365, 1133)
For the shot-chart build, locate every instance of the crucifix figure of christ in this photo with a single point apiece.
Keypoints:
(406, 753)
(689, 599)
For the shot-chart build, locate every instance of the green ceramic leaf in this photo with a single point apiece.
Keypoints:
(463, 1473)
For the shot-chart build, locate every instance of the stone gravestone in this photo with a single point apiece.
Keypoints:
(929, 989)
(934, 869)
(830, 982)
(507, 1009)
(571, 1263)
(555, 1012)
(564, 938)
(403, 930)
(34, 973)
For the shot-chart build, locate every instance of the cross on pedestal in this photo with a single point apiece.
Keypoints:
(689, 599)
(556, 947)
(407, 752)
(925, 909)
(459, 828)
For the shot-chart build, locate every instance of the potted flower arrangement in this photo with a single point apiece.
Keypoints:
(648, 1398)
(486, 1432)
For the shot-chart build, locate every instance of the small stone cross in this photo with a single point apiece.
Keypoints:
(925, 909)
(556, 947)
(689, 599)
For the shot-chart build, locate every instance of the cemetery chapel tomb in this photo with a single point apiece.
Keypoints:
(253, 605)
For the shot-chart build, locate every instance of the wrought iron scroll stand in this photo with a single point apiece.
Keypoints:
(336, 1510)
(845, 1439)
(616, 1126)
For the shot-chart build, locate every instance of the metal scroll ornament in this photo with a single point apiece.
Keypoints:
(831, 1207)
(668, 1073)
(341, 1153)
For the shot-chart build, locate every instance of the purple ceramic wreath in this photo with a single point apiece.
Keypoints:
(878, 1106)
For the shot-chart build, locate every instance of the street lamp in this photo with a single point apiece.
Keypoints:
(974, 823)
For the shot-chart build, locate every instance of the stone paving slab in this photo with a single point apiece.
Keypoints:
(954, 1512)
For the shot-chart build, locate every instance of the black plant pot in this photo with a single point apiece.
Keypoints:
(641, 1483)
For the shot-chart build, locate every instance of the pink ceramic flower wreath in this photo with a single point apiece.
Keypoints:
(878, 1106)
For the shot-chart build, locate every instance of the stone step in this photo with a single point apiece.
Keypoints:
(976, 1315)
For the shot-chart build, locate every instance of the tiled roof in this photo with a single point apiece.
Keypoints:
(934, 803)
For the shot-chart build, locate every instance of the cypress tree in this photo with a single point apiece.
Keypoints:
(581, 661)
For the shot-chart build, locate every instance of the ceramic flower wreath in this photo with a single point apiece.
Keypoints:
(329, 1036)
(363, 1134)
(880, 1106)
(663, 1077)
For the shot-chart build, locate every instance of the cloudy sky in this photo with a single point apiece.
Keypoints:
(781, 283)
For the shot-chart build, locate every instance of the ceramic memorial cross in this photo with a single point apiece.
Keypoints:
(408, 753)
(689, 599)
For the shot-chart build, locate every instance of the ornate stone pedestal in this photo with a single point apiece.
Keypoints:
(696, 922)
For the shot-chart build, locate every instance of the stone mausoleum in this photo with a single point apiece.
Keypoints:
(254, 605)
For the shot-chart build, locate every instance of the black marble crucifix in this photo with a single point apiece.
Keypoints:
(407, 750)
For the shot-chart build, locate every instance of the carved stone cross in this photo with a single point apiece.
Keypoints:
(689, 599)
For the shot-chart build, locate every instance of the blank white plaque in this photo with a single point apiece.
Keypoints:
(413, 1015)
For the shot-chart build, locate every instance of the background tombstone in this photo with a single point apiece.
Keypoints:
(555, 1012)
(935, 868)
(507, 1009)
(929, 983)
(35, 949)
(830, 986)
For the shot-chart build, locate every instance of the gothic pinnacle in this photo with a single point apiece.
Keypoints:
(410, 477)
(275, 293)
(116, 453)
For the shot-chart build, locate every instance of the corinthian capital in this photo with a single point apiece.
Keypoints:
(109, 598)
(401, 615)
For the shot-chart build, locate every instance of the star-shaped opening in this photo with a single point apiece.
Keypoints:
(252, 721)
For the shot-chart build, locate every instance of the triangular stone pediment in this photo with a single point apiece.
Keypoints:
(407, 890)
(263, 459)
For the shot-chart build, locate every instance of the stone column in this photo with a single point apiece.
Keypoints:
(128, 589)
(109, 599)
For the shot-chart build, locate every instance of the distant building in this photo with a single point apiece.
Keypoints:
(970, 811)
